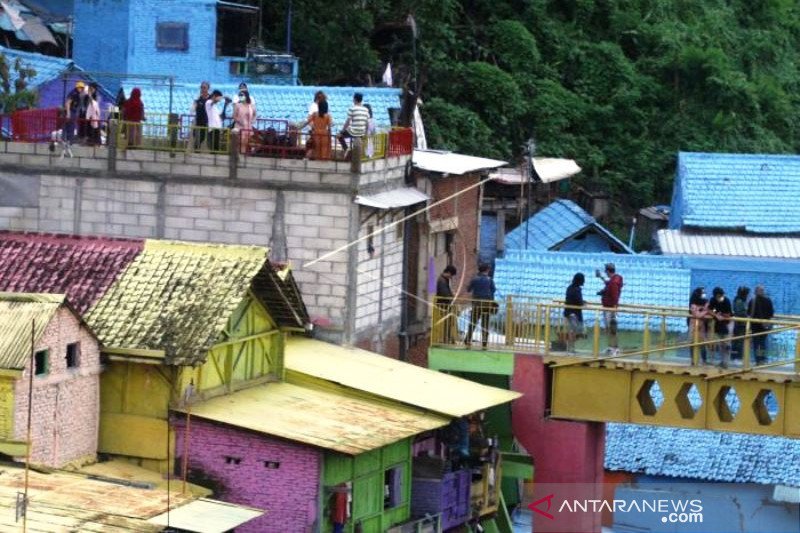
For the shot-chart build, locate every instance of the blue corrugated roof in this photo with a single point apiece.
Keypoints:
(46, 67)
(549, 228)
(273, 101)
(751, 192)
(648, 279)
(702, 454)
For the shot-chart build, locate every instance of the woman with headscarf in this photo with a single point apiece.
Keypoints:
(133, 116)
(92, 116)
(699, 314)
(321, 124)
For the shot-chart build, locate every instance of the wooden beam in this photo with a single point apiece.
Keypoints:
(238, 340)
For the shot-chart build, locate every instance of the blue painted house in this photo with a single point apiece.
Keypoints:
(192, 40)
(563, 226)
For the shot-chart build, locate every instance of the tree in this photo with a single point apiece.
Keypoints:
(20, 97)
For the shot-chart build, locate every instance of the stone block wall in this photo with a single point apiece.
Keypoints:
(251, 469)
(66, 401)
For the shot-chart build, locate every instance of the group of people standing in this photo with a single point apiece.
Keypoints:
(358, 125)
(83, 114)
(210, 111)
(717, 316)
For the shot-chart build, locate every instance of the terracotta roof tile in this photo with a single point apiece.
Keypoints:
(83, 268)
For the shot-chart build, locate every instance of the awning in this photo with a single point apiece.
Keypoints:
(450, 163)
(331, 420)
(550, 169)
(207, 516)
(234, 6)
(677, 242)
(388, 378)
(393, 199)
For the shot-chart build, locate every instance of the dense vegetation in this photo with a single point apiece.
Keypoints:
(618, 85)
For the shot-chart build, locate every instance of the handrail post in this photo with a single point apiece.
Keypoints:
(646, 337)
(663, 338)
(596, 335)
(747, 346)
(547, 330)
(509, 321)
(695, 339)
(434, 322)
(537, 325)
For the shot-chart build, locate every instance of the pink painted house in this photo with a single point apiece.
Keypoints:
(65, 361)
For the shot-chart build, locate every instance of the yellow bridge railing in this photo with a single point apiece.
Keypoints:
(654, 334)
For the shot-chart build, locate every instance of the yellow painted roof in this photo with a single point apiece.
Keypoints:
(177, 297)
(392, 379)
(324, 419)
(129, 472)
(17, 312)
(62, 501)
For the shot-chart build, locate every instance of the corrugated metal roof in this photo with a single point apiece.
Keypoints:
(550, 227)
(176, 296)
(61, 501)
(449, 163)
(678, 242)
(323, 419)
(753, 192)
(392, 379)
(207, 516)
(551, 169)
(393, 199)
(17, 312)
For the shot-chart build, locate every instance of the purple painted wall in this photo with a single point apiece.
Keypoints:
(51, 93)
(288, 489)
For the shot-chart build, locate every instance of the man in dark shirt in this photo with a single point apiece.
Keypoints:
(200, 115)
(720, 306)
(444, 301)
(572, 312)
(76, 108)
(483, 304)
(760, 308)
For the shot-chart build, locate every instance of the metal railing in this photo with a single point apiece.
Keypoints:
(644, 333)
(170, 133)
(289, 143)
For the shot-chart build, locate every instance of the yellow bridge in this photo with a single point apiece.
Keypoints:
(668, 370)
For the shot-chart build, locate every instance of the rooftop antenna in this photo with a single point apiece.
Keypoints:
(530, 151)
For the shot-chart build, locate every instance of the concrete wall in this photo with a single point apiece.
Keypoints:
(289, 492)
(66, 401)
(300, 209)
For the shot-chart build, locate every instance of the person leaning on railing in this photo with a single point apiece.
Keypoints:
(216, 116)
(721, 309)
(483, 305)
(609, 297)
(740, 326)
(699, 316)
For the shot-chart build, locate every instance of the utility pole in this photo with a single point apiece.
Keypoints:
(530, 150)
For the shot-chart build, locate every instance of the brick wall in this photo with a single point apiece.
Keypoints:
(300, 209)
(65, 401)
(289, 493)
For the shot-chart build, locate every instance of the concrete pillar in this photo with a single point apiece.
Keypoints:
(568, 456)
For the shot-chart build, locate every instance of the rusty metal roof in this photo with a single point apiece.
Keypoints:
(62, 501)
(331, 420)
(388, 378)
(19, 315)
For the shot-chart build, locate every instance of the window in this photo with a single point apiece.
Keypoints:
(393, 487)
(236, 26)
(172, 36)
(73, 354)
(272, 465)
(41, 362)
(231, 460)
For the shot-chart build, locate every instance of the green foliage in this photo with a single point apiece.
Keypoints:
(618, 85)
(14, 93)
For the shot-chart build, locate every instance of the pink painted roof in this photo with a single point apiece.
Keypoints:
(83, 268)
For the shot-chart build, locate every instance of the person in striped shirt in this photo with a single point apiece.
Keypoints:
(356, 124)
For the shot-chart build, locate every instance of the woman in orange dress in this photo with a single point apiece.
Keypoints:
(321, 124)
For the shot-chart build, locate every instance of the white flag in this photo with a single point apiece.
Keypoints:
(387, 75)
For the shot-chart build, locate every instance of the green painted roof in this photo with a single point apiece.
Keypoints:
(17, 312)
(176, 297)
